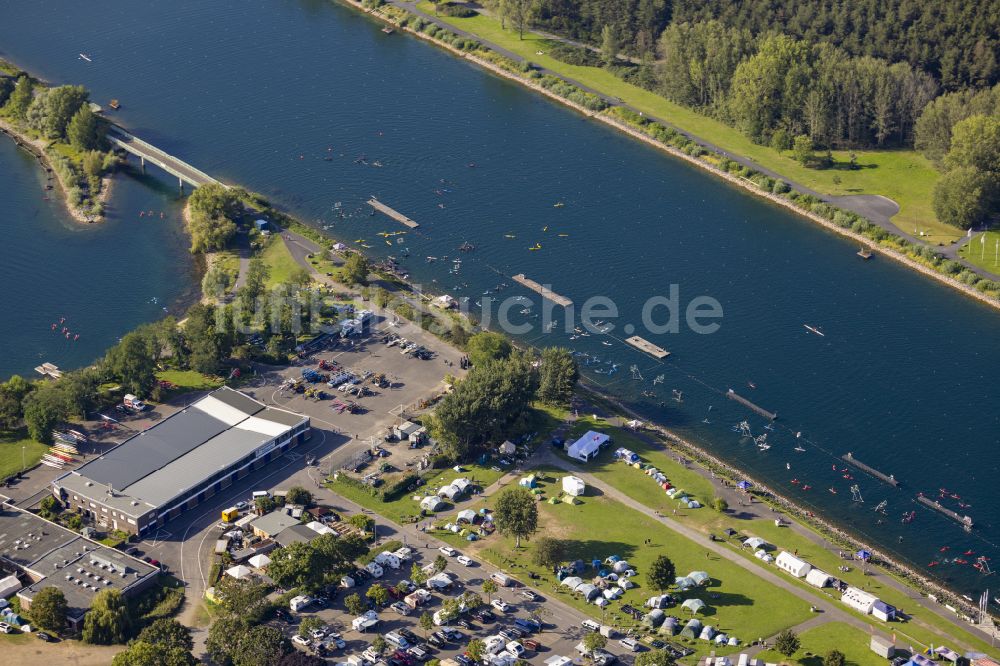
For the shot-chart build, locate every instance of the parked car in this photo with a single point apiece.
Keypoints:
(629, 644)
(500, 605)
(657, 644)
(603, 658)
(464, 560)
(464, 660)
(400, 608)
(447, 550)
(528, 594)
(408, 635)
(484, 615)
(301, 640)
(453, 635)
(317, 634)
(42, 636)
(531, 644)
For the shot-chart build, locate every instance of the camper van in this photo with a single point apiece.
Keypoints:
(132, 402)
(501, 579)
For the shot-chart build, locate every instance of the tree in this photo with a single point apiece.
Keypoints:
(260, 646)
(516, 514)
(309, 623)
(298, 495)
(780, 140)
(141, 653)
(417, 575)
(975, 143)
(490, 588)
(557, 376)
(362, 522)
(217, 281)
(167, 632)
(440, 563)
(355, 269)
(52, 108)
(834, 658)
(786, 642)
(476, 650)
(654, 658)
(296, 565)
(131, 362)
(48, 609)
(662, 573)
(84, 130)
(962, 197)
(610, 44)
(108, 622)
(12, 393)
(720, 504)
(379, 644)
(426, 622)
(242, 597)
(378, 594)
(223, 636)
(49, 508)
(44, 408)
(212, 211)
(549, 552)
(520, 13)
(803, 149)
(353, 604)
(488, 346)
(594, 641)
(19, 101)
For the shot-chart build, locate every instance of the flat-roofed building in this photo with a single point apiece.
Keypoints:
(180, 462)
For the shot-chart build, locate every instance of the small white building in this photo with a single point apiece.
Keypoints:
(793, 565)
(588, 446)
(859, 600)
(818, 578)
(883, 647)
(573, 485)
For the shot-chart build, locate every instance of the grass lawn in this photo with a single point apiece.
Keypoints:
(817, 642)
(189, 380)
(228, 261)
(10, 452)
(633, 482)
(738, 602)
(405, 508)
(983, 254)
(904, 176)
(280, 261)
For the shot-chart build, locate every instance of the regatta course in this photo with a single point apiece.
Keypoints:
(485, 189)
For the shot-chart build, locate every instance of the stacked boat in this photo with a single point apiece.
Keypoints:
(65, 445)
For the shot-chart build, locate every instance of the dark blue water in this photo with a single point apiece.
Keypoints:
(263, 92)
(102, 279)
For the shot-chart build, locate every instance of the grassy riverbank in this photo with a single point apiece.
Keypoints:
(904, 176)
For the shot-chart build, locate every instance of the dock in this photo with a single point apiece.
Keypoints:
(865, 253)
(887, 478)
(733, 395)
(644, 345)
(964, 521)
(49, 370)
(394, 214)
(544, 291)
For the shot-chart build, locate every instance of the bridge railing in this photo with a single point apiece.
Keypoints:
(161, 158)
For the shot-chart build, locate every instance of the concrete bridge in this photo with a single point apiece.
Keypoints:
(147, 152)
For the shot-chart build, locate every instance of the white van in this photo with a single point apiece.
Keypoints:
(395, 639)
(590, 625)
(629, 644)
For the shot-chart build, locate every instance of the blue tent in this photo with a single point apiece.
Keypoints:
(744, 485)
(863, 555)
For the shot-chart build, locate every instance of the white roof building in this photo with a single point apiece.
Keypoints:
(793, 565)
(859, 600)
(588, 446)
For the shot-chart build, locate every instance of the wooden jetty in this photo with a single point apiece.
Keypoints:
(733, 395)
(887, 478)
(49, 370)
(865, 253)
(644, 345)
(964, 521)
(394, 214)
(544, 291)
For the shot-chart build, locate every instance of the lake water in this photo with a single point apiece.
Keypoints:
(98, 281)
(310, 104)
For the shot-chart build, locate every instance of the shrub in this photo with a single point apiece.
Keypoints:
(454, 9)
(574, 55)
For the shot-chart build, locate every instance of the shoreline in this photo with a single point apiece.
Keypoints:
(37, 147)
(745, 184)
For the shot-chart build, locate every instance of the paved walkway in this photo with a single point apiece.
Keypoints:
(876, 208)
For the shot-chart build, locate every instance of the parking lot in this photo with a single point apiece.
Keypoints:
(559, 635)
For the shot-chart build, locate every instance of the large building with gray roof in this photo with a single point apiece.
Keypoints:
(153, 476)
(42, 554)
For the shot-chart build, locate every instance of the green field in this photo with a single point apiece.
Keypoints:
(189, 380)
(817, 642)
(11, 454)
(280, 262)
(737, 601)
(904, 176)
(405, 508)
(983, 254)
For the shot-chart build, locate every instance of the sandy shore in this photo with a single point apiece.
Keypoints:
(37, 147)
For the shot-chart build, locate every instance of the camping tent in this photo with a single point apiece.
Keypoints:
(669, 626)
(621, 566)
(431, 503)
(699, 577)
(707, 633)
(755, 543)
(792, 564)
(818, 578)
(654, 618)
(693, 605)
(588, 591)
(692, 628)
(683, 583)
(572, 582)
(467, 516)
(573, 485)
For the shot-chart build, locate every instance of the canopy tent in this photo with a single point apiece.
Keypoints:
(259, 561)
(239, 572)
(744, 485)
(693, 605)
(755, 543)
(863, 555)
(699, 577)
